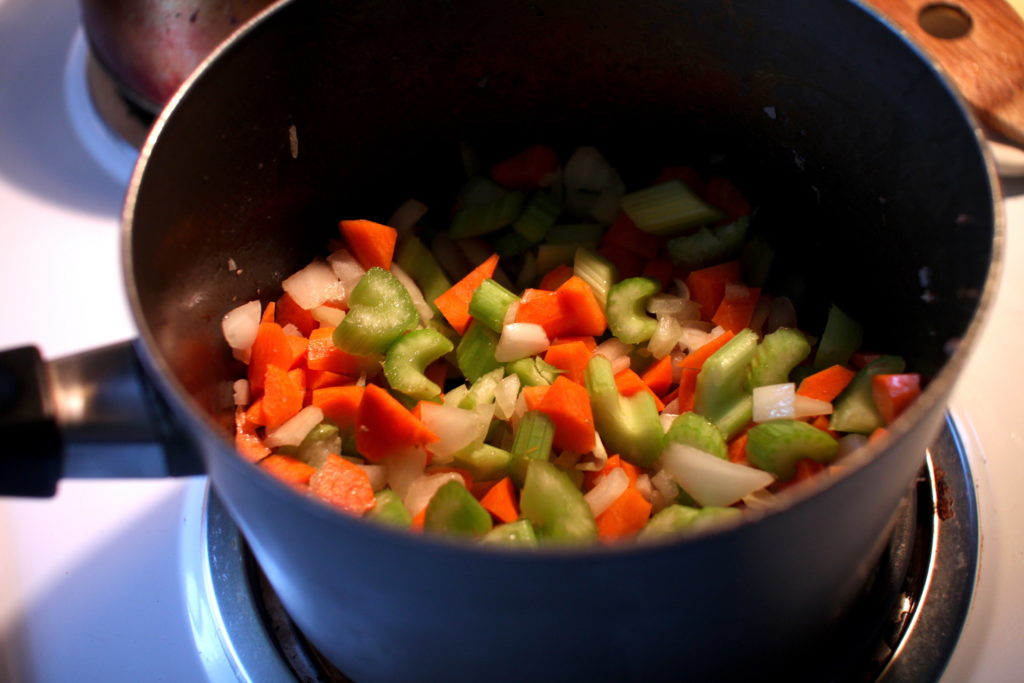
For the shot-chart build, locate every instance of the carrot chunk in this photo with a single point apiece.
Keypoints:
(384, 426)
(344, 485)
(555, 278)
(659, 376)
(545, 308)
(500, 501)
(282, 397)
(581, 307)
(707, 285)
(289, 312)
(624, 517)
(629, 383)
(623, 234)
(528, 170)
(826, 384)
(371, 243)
(340, 404)
(247, 442)
(271, 347)
(572, 357)
(322, 354)
(695, 359)
(454, 303)
(568, 405)
(893, 393)
(737, 307)
(288, 469)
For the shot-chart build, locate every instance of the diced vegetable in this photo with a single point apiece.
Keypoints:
(668, 209)
(628, 426)
(697, 431)
(777, 446)
(533, 439)
(380, 311)
(389, 509)
(555, 506)
(842, 336)
(627, 309)
(453, 510)
(855, 409)
(515, 534)
(409, 356)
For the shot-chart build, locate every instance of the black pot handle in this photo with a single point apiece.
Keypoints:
(94, 398)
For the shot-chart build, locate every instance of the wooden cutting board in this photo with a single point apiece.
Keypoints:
(980, 45)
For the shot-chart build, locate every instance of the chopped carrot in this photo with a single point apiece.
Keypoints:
(862, 359)
(269, 313)
(322, 354)
(384, 426)
(343, 484)
(613, 462)
(688, 176)
(289, 312)
(534, 396)
(627, 515)
(340, 404)
(454, 303)
(247, 441)
(893, 393)
(624, 235)
(254, 413)
(556, 276)
(590, 342)
(659, 376)
(568, 405)
(282, 397)
(737, 307)
(289, 470)
(629, 383)
(723, 194)
(822, 422)
(270, 348)
(878, 435)
(695, 359)
(467, 477)
(572, 357)
(528, 170)
(581, 306)
(298, 346)
(628, 263)
(545, 308)
(826, 384)
(298, 375)
(707, 285)
(371, 243)
(418, 520)
(501, 502)
(687, 389)
(805, 469)
(738, 448)
(319, 379)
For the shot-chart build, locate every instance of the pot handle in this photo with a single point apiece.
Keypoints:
(101, 396)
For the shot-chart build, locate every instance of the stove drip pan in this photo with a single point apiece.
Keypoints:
(902, 629)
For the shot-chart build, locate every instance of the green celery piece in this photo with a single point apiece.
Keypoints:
(537, 217)
(390, 510)
(380, 311)
(668, 208)
(486, 462)
(532, 442)
(473, 220)
(596, 271)
(318, 443)
(776, 356)
(855, 409)
(454, 511)
(482, 391)
(475, 353)
(627, 309)
(489, 303)
(418, 261)
(409, 356)
(518, 534)
(778, 445)
(697, 431)
(500, 435)
(547, 371)
(708, 246)
(576, 234)
(550, 256)
(555, 507)
(720, 394)
(511, 244)
(682, 519)
(527, 371)
(842, 336)
(628, 426)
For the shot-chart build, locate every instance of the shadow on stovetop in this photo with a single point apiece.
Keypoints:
(38, 148)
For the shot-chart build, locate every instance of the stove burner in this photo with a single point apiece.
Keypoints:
(902, 629)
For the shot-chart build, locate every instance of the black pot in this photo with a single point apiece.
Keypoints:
(871, 184)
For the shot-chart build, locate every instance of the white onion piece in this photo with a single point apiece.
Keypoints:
(347, 269)
(805, 406)
(666, 304)
(422, 307)
(422, 489)
(505, 397)
(600, 457)
(328, 315)
(665, 337)
(510, 313)
(612, 349)
(292, 331)
(241, 324)
(404, 468)
(407, 215)
(760, 500)
(709, 479)
(664, 491)
(692, 338)
(643, 485)
(672, 407)
(378, 476)
(621, 363)
(314, 285)
(295, 429)
(667, 419)
(607, 489)
(454, 397)
(240, 391)
(850, 443)
(587, 169)
(520, 340)
(567, 460)
(455, 428)
(774, 402)
(519, 411)
(782, 314)
(681, 289)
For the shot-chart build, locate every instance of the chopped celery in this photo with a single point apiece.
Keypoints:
(842, 336)
(380, 311)
(778, 445)
(576, 234)
(321, 440)
(489, 303)
(511, 244)
(547, 371)
(719, 395)
(550, 256)
(668, 208)
(855, 409)
(537, 217)
(473, 220)
(482, 391)
(776, 356)
(390, 510)
(416, 260)
(696, 430)
(708, 246)
(526, 370)
(532, 442)
(680, 519)
(453, 510)
(596, 271)
(475, 353)
(486, 462)
(409, 356)
(518, 533)
(627, 309)
(555, 507)
(628, 426)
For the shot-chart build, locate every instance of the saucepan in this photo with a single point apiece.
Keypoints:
(872, 185)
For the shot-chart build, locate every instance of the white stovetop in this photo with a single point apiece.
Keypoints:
(96, 584)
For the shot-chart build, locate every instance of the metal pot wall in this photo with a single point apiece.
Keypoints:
(871, 185)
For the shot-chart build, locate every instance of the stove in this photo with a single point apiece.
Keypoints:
(147, 579)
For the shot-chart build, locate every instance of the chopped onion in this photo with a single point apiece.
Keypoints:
(665, 304)
(407, 215)
(665, 337)
(346, 268)
(566, 460)
(241, 324)
(519, 411)
(643, 486)
(422, 307)
(805, 406)
(607, 489)
(404, 468)
(378, 476)
(510, 313)
(600, 457)
(850, 443)
(709, 479)
(314, 285)
(240, 390)
(682, 289)
(292, 331)
(422, 489)
(621, 363)
(692, 338)
(454, 397)
(782, 314)
(587, 169)
(328, 315)
(760, 500)
(667, 419)
(613, 349)
(292, 432)
(774, 402)
(505, 397)
(519, 340)
(665, 491)
(455, 428)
